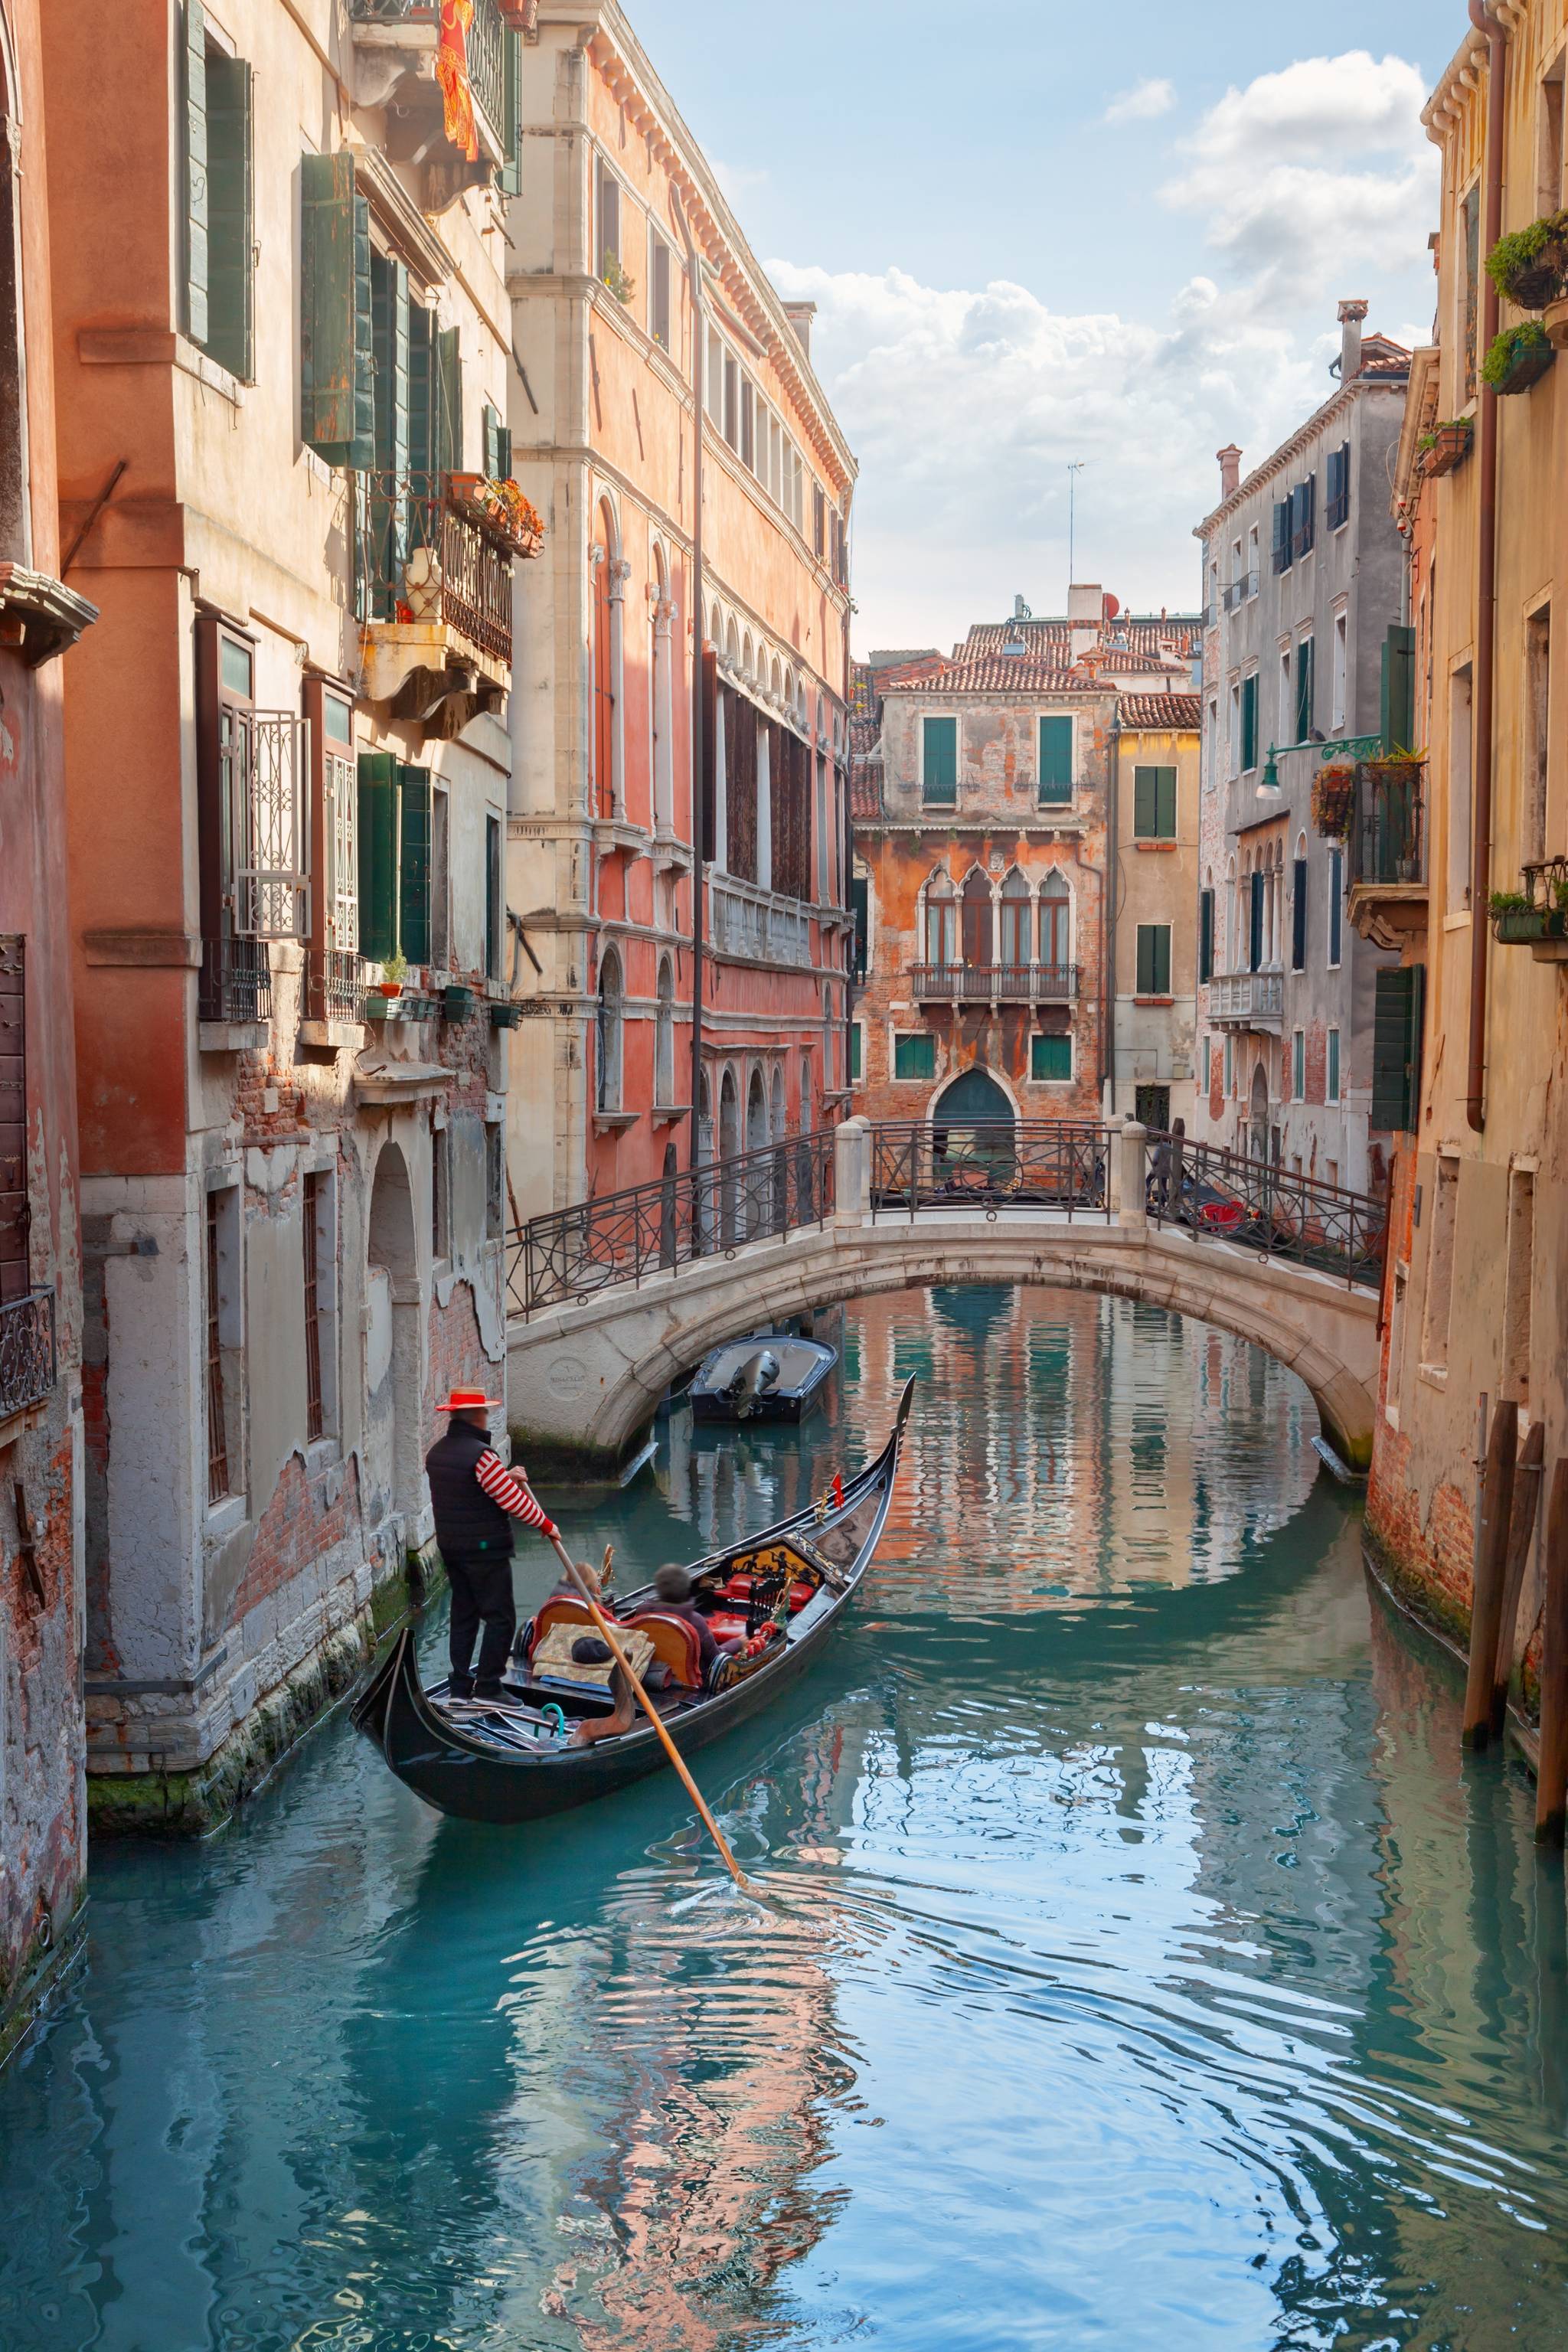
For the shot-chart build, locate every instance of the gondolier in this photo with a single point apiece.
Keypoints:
(475, 1498)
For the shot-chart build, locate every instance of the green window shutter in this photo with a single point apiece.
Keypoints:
(1304, 690)
(1397, 1049)
(1154, 959)
(1206, 935)
(503, 454)
(1165, 803)
(414, 865)
(1056, 759)
(940, 762)
(914, 1057)
(230, 231)
(1143, 803)
(387, 505)
(1154, 803)
(492, 444)
(1248, 723)
(1333, 1086)
(194, 160)
(337, 409)
(378, 856)
(423, 392)
(1050, 1057)
(855, 1053)
(449, 407)
(1398, 697)
(510, 179)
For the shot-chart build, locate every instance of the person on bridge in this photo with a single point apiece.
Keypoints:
(475, 1498)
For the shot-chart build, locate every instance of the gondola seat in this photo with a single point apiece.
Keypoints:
(561, 1609)
(675, 1644)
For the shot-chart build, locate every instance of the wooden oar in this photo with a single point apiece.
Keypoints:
(621, 1659)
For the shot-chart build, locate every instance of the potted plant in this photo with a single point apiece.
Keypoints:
(617, 277)
(1396, 766)
(1531, 267)
(1447, 446)
(1333, 799)
(1517, 921)
(1518, 358)
(393, 973)
(456, 1002)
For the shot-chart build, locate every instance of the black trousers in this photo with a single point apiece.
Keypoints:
(481, 1592)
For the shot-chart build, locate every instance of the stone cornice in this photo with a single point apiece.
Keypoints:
(1279, 461)
(39, 615)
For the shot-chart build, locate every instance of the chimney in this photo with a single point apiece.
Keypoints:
(1086, 612)
(1350, 316)
(800, 316)
(1229, 471)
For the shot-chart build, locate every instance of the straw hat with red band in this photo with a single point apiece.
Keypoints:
(469, 1400)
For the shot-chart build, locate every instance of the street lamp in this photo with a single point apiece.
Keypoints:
(1268, 786)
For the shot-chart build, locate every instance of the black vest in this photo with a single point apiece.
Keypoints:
(467, 1521)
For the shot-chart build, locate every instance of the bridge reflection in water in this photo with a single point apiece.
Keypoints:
(1147, 1970)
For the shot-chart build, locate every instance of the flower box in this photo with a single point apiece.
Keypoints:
(376, 1006)
(457, 1003)
(1448, 446)
(1530, 268)
(505, 1016)
(1333, 801)
(1523, 926)
(1518, 358)
(499, 508)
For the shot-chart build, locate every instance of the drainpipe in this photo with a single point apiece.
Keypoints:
(1485, 18)
(698, 770)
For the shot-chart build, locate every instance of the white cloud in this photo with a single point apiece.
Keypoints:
(1144, 102)
(737, 180)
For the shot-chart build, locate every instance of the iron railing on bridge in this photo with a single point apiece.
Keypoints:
(1028, 1164)
(571, 1253)
(1261, 1206)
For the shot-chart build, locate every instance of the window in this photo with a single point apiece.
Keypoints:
(608, 244)
(1304, 516)
(496, 445)
(1155, 803)
(1233, 741)
(1229, 1064)
(1516, 1317)
(251, 782)
(495, 1182)
(1340, 685)
(1283, 556)
(1397, 1006)
(856, 1051)
(819, 520)
(1538, 726)
(1461, 752)
(1285, 726)
(337, 409)
(1339, 512)
(1255, 922)
(608, 1027)
(1206, 935)
(1298, 1065)
(1303, 692)
(1249, 722)
(495, 906)
(1056, 770)
(1207, 1064)
(319, 1213)
(440, 1194)
(225, 1360)
(941, 922)
(218, 306)
(939, 762)
(748, 442)
(1017, 917)
(1056, 922)
(664, 1042)
(440, 880)
(1336, 908)
(1470, 295)
(1298, 916)
(1440, 1264)
(1332, 1090)
(658, 289)
(1154, 959)
(1253, 569)
(914, 1056)
(1050, 1059)
(1549, 142)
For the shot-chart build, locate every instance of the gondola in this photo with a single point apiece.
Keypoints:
(508, 1763)
(772, 1376)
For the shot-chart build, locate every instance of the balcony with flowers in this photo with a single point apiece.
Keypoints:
(433, 591)
(445, 72)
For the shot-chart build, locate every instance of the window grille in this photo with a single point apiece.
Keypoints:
(271, 879)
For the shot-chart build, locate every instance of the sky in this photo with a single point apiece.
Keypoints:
(1061, 235)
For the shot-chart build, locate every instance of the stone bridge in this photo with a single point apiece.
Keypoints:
(586, 1375)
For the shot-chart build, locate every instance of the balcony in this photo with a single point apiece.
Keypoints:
(1248, 1000)
(756, 926)
(995, 983)
(433, 591)
(397, 44)
(27, 1370)
(1387, 854)
(234, 996)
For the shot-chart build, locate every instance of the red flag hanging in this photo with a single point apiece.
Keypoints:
(452, 73)
(839, 1489)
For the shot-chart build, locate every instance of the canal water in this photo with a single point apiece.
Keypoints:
(1143, 1968)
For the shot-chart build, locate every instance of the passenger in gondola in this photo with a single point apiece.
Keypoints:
(589, 1650)
(675, 1588)
(476, 1498)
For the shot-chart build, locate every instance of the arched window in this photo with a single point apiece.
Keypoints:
(1016, 920)
(608, 574)
(661, 709)
(609, 1032)
(748, 656)
(664, 1050)
(732, 645)
(1056, 922)
(777, 1117)
(941, 921)
(977, 928)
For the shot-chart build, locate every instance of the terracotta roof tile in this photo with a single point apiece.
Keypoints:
(865, 792)
(1183, 710)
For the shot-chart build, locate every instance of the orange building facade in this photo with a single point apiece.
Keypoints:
(603, 849)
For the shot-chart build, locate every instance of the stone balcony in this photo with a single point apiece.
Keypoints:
(432, 588)
(756, 926)
(396, 44)
(1387, 856)
(1249, 1000)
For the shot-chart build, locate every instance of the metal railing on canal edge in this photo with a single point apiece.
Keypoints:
(1054, 1165)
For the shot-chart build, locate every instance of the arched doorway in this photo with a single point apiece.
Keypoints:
(729, 1149)
(609, 1033)
(758, 1176)
(664, 1046)
(1258, 1129)
(778, 1121)
(392, 1386)
(972, 1127)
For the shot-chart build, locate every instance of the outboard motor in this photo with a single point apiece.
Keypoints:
(756, 1377)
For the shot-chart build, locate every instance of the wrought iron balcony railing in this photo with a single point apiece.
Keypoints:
(419, 557)
(486, 44)
(28, 1364)
(1387, 838)
(335, 985)
(236, 982)
(985, 983)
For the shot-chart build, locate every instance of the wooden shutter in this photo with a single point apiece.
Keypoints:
(1304, 697)
(449, 378)
(1398, 693)
(1153, 960)
(491, 425)
(378, 854)
(1143, 803)
(1255, 931)
(388, 498)
(1397, 1049)
(509, 178)
(1249, 723)
(230, 231)
(195, 162)
(16, 1266)
(1056, 759)
(337, 417)
(940, 768)
(1164, 803)
(1050, 1057)
(1145, 958)
(1336, 904)
(414, 864)
(1206, 935)
(1298, 917)
(424, 396)
(1282, 535)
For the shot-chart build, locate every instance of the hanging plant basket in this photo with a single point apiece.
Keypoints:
(1530, 268)
(1523, 926)
(1447, 446)
(1333, 800)
(1519, 357)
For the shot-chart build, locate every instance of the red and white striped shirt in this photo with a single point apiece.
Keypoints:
(510, 1492)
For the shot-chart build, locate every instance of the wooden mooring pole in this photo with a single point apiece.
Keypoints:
(1552, 1771)
(1489, 1572)
(1522, 1534)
